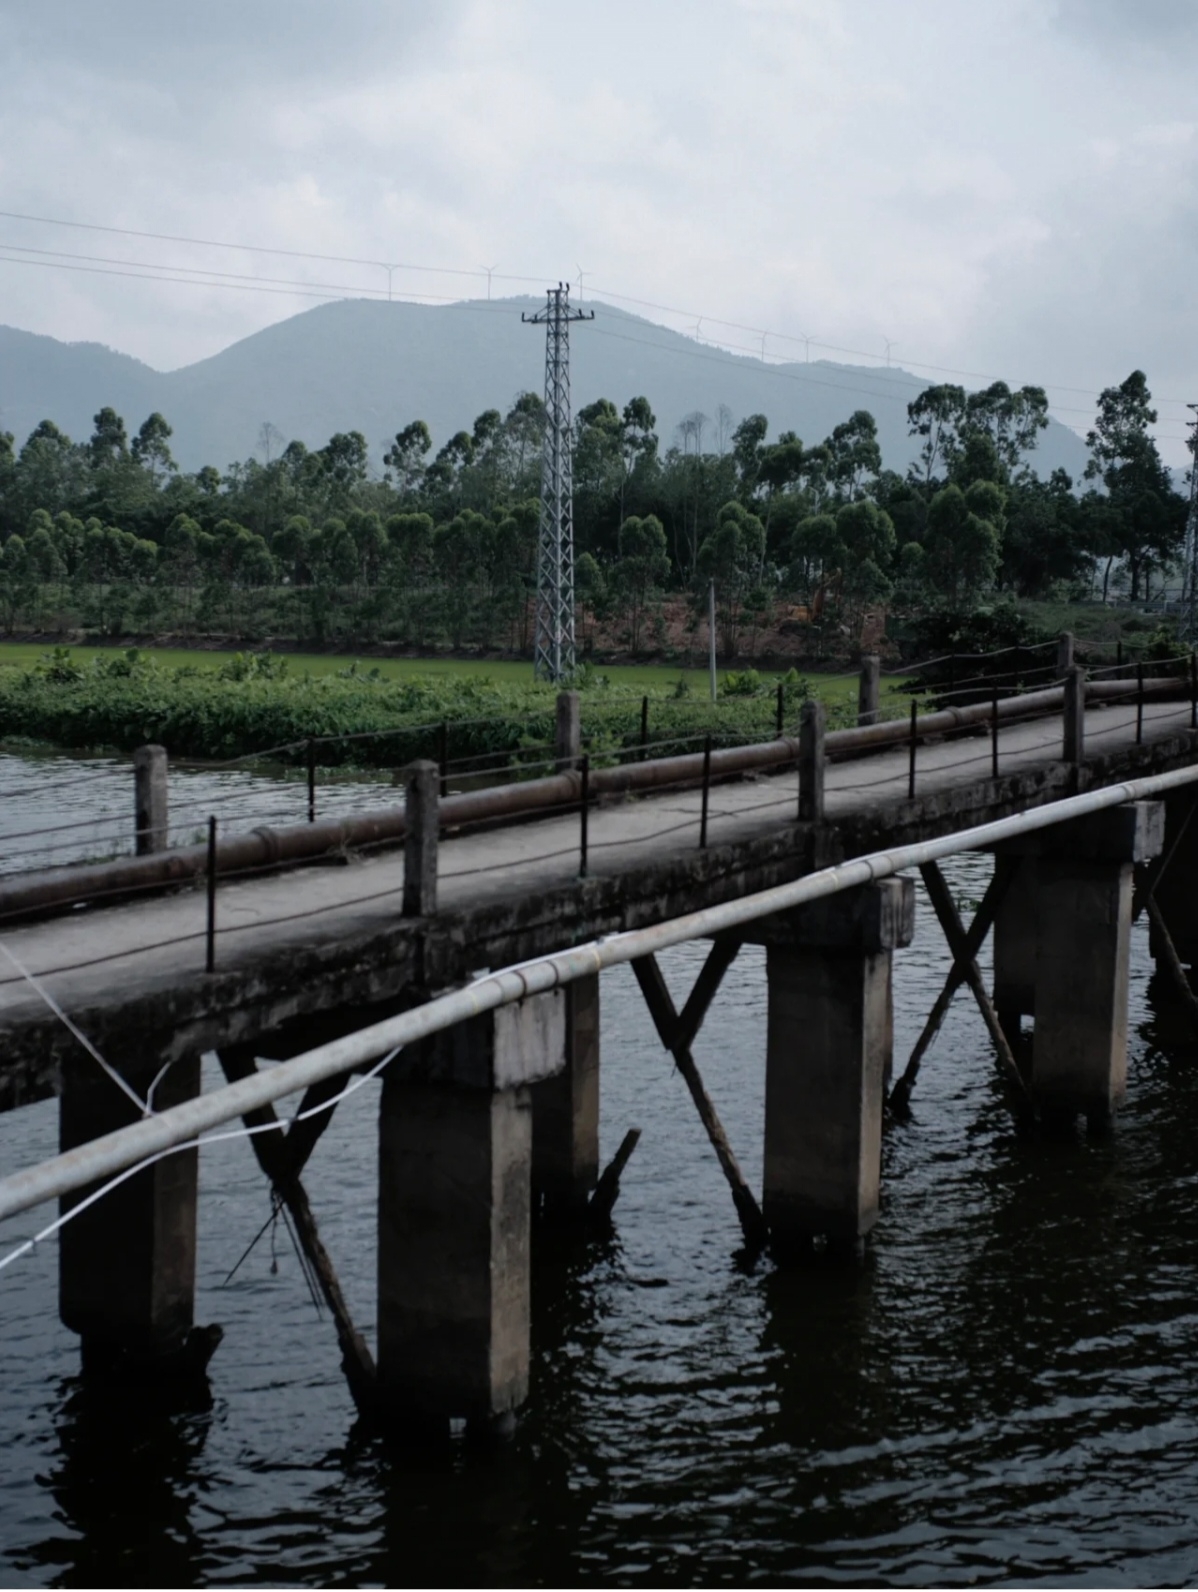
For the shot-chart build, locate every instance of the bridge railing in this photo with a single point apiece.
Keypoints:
(158, 1132)
(575, 789)
(253, 822)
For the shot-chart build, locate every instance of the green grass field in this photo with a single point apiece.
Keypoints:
(654, 679)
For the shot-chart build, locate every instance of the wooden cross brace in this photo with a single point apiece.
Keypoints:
(677, 1034)
(282, 1155)
(965, 945)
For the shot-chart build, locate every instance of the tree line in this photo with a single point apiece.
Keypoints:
(439, 547)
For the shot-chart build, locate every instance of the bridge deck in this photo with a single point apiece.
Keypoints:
(327, 944)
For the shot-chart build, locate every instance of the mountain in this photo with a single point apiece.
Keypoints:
(372, 367)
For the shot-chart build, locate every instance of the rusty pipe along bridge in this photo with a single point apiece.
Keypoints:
(455, 943)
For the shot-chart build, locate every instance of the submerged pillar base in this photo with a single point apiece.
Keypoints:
(829, 1046)
(127, 1263)
(565, 1113)
(1076, 934)
(455, 1155)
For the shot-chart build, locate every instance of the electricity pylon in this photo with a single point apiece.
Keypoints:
(553, 648)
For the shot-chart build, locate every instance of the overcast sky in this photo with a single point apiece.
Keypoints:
(1007, 189)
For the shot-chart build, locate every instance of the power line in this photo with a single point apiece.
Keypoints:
(100, 265)
(833, 348)
(481, 273)
(338, 293)
(256, 248)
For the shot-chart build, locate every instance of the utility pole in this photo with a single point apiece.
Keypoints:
(553, 651)
(1191, 553)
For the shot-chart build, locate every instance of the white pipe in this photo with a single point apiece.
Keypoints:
(114, 1152)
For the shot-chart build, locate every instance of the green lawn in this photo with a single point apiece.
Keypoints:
(836, 690)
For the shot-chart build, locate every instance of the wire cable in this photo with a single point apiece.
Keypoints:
(280, 1125)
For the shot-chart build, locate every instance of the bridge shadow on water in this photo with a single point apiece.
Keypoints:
(125, 1483)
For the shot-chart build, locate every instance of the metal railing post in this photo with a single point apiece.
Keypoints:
(812, 725)
(311, 780)
(210, 936)
(994, 734)
(1139, 704)
(644, 726)
(706, 791)
(911, 744)
(584, 810)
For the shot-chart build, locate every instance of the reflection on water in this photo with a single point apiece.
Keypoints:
(1005, 1387)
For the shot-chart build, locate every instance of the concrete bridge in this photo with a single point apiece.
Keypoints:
(379, 940)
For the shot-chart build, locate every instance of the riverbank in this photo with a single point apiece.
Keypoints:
(218, 706)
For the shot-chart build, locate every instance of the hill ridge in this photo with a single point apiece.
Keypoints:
(373, 366)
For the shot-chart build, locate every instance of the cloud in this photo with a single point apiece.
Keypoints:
(985, 187)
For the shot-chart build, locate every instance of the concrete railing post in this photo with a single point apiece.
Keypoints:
(422, 786)
(567, 738)
(150, 799)
(1064, 654)
(868, 689)
(812, 721)
(1075, 716)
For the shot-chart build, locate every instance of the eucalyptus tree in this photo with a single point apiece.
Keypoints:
(1124, 456)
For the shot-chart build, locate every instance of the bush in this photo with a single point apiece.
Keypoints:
(252, 708)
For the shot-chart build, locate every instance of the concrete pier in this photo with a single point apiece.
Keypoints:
(127, 1264)
(829, 1043)
(455, 1156)
(1015, 950)
(1078, 882)
(1176, 891)
(565, 1111)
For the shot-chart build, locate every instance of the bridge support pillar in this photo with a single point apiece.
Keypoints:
(565, 1111)
(1176, 892)
(127, 1263)
(830, 1038)
(1016, 935)
(455, 1154)
(1083, 903)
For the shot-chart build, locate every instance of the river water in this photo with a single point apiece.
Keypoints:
(1005, 1389)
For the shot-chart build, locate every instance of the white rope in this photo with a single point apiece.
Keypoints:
(192, 1144)
(142, 1105)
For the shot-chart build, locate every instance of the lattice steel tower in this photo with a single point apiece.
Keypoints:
(553, 654)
